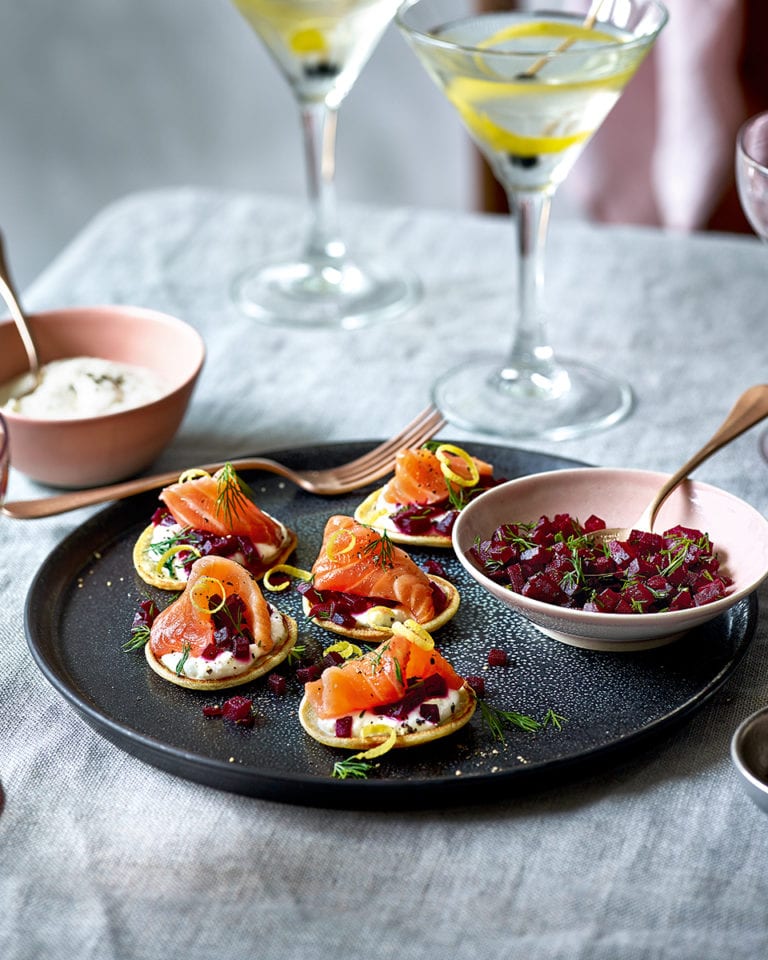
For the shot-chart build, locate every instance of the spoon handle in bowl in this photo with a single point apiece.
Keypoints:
(749, 409)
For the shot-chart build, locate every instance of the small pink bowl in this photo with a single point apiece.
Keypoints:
(739, 534)
(97, 450)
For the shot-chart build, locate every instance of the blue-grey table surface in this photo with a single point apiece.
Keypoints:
(661, 856)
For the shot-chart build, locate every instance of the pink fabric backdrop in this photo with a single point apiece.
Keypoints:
(665, 154)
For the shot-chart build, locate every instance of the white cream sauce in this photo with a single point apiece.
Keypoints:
(77, 387)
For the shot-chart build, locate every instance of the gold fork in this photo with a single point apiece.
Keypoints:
(335, 480)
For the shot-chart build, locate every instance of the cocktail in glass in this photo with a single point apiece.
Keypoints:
(531, 87)
(321, 46)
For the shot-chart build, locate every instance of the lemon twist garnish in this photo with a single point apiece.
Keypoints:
(442, 453)
(172, 551)
(375, 730)
(309, 40)
(332, 549)
(287, 569)
(345, 649)
(414, 632)
(194, 473)
(204, 590)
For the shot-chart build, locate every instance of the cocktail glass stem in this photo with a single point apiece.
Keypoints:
(323, 241)
(529, 365)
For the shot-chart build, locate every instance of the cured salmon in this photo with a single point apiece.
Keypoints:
(221, 626)
(419, 504)
(419, 476)
(377, 678)
(188, 620)
(219, 505)
(208, 515)
(358, 560)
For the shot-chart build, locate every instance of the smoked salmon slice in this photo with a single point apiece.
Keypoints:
(377, 678)
(219, 505)
(188, 624)
(419, 478)
(358, 560)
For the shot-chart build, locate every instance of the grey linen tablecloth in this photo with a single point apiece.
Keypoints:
(661, 855)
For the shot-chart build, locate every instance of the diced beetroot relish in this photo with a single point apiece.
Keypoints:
(342, 608)
(209, 544)
(550, 560)
(434, 519)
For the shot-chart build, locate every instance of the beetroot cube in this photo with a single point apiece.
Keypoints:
(310, 673)
(497, 657)
(713, 590)
(344, 727)
(515, 577)
(536, 558)
(593, 523)
(639, 594)
(212, 710)
(681, 601)
(660, 585)
(238, 710)
(607, 600)
(277, 683)
(599, 565)
(621, 552)
(542, 587)
(477, 684)
(430, 712)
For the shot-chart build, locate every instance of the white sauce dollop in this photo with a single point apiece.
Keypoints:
(447, 706)
(82, 387)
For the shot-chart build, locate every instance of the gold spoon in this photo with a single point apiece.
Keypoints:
(8, 293)
(749, 409)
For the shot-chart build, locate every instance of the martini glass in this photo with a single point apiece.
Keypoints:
(752, 186)
(531, 88)
(321, 46)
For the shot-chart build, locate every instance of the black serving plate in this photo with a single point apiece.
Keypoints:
(81, 604)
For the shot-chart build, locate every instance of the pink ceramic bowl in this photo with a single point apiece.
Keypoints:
(738, 532)
(96, 450)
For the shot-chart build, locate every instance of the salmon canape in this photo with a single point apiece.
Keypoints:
(402, 694)
(220, 632)
(430, 486)
(361, 584)
(204, 515)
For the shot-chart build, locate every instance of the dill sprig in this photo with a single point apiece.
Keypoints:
(352, 767)
(379, 549)
(555, 719)
(138, 639)
(232, 494)
(296, 653)
(185, 651)
(495, 719)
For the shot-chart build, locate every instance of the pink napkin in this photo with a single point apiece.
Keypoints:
(664, 156)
